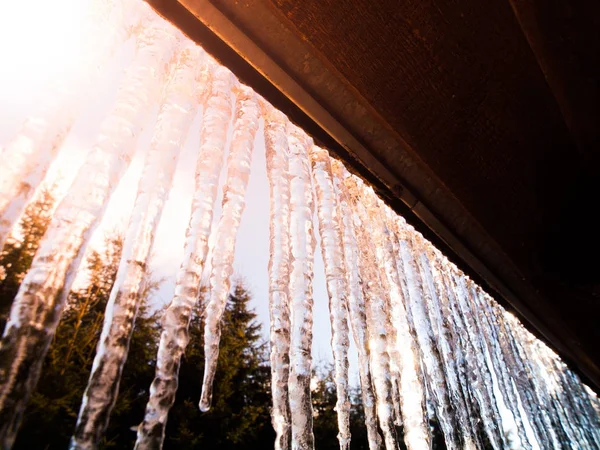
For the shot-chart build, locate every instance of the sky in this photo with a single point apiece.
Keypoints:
(45, 56)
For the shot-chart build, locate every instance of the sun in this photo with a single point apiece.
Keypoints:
(42, 42)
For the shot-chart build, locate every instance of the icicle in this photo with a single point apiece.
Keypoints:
(378, 320)
(520, 372)
(396, 334)
(540, 377)
(589, 420)
(449, 346)
(418, 297)
(332, 248)
(480, 383)
(543, 357)
(27, 157)
(174, 336)
(38, 305)
(594, 400)
(302, 244)
(570, 396)
(460, 345)
(425, 289)
(175, 117)
(489, 335)
(234, 193)
(402, 343)
(277, 158)
(356, 306)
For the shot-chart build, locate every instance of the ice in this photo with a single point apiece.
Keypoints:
(356, 307)
(174, 119)
(403, 343)
(277, 159)
(448, 348)
(433, 347)
(302, 245)
(378, 319)
(332, 248)
(38, 305)
(418, 296)
(247, 115)
(27, 157)
(175, 322)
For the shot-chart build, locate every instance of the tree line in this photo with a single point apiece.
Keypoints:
(240, 416)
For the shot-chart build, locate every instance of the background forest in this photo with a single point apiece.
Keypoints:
(240, 415)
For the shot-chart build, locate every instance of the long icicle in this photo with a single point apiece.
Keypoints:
(174, 119)
(508, 423)
(489, 335)
(301, 298)
(575, 412)
(450, 352)
(356, 307)
(176, 319)
(417, 299)
(546, 379)
(247, 116)
(481, 380)
(404, 343)
(391, 230)
(398, 331)
(590, 421)
(378, 320)
(39, 303)
(27, 157)
(277, 160)
(471, 380)
(521, 374)
(332, 248)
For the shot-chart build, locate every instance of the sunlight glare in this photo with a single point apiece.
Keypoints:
(41, 42)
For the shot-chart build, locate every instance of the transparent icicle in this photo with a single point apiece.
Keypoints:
(419, 296)
(403, 345)
(27, 157)
(332, 248)
(302, 246)
(247, 115)
(567, 419)
(472, 382)
(396, 334)
(540, 378)
(510, 429)
(175, 116)
(584, 404)
(392, 231)
(175, 322)
(356, 306)
(38, 305)
(520, 371)
(570, 397)
(489, 335)
(449, 350)
(594, 400)
(378, 319)
(481, 384)
(277, 159)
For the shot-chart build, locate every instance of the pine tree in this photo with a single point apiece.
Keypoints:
(19, 250)
(239, 417)
(52, 412)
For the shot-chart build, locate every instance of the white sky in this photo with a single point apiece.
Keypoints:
(28, 69)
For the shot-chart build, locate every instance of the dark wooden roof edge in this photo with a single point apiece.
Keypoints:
(227, 43)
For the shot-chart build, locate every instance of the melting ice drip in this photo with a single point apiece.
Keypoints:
(432, 345)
